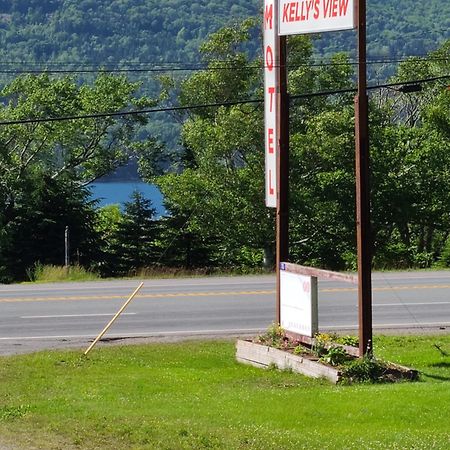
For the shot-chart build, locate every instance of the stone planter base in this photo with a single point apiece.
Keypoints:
(262, 356)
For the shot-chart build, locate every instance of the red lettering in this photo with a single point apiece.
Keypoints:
(343, 5)
(269, 58)
(309, 6)
(271, 91)
(270, 133)
(302, 16)
(316, 9)
(268, 17)
(292, 12)
(326, 8)
(306, 286)
(334, 10)
(285, 12)
(271, 189)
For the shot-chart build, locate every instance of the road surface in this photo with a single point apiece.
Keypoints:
(34, 317)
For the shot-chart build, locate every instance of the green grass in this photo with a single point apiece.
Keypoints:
(195, 396)
(50, 273)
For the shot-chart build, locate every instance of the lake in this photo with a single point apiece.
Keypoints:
(120, 192)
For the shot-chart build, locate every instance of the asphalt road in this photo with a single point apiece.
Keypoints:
(34, 317)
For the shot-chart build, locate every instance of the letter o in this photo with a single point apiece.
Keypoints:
(269, 58)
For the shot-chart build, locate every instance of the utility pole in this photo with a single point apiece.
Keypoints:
(282, 223)
(66, 247)
(362, 162)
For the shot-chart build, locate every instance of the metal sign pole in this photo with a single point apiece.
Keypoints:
(362, 157)
(282, 225)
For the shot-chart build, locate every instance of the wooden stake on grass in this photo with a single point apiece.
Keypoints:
(114, 319)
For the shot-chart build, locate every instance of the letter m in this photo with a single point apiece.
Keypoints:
(268, 17)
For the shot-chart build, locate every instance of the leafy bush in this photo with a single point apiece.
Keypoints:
(335, 356)
(366, 369)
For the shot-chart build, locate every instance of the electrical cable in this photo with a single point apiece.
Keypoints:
(193, 68)
(211, 105)
(201, 67)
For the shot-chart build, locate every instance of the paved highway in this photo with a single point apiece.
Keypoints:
(52, 315)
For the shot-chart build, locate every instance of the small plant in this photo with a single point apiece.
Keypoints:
(300, 350)
(351, 341)
(275, 336)
(321, 342)
(335, 356)
(13, 412)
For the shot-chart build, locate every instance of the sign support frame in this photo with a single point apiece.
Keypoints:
(282, 219)
(362, 167)
(362, 175)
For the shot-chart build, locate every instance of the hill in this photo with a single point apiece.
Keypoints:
(105, 32)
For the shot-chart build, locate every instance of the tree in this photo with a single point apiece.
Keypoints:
(411, 195)
(221, 188)
(136, 235)
(33, 231)
(39, 158)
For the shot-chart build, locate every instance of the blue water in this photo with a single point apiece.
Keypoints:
(120, 192)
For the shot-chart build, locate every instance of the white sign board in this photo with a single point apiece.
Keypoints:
(315, 16)
(271, 99)
(298, 303)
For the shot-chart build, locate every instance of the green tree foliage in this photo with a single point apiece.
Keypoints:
(135, 236)
(109, 31)
(33, 229)
(414, 164)
(41, 162)
(220, 188)
(107, 227)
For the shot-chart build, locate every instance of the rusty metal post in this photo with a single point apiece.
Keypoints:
(363, 232)
(282, 224)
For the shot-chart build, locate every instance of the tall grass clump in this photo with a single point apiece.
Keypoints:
(41, 273)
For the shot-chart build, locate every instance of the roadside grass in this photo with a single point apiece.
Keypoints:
(193, 395)
(49, 273)
(40, 273)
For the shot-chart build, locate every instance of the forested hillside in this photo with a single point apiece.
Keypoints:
(110, 31)
(214, 185)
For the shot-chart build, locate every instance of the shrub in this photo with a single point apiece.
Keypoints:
(366, 369)
(335, 356)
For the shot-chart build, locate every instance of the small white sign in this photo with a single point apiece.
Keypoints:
(315, 16)
(271, 67)
(298, 303)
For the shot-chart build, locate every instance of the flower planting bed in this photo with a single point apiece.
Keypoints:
(258, 355)
(321, 358)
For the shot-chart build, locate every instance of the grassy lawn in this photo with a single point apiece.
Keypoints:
(194, 395)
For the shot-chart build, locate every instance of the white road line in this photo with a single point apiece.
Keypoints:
(411, 304)
(74, 315)
(391, 325)
(138, 335)
(147, 286)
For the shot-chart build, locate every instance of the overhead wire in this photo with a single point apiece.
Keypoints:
(188, 67)
(212, 105)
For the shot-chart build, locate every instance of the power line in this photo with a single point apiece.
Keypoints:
(213, 105)
(369, 88)
(200, 67)
(371, 58)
